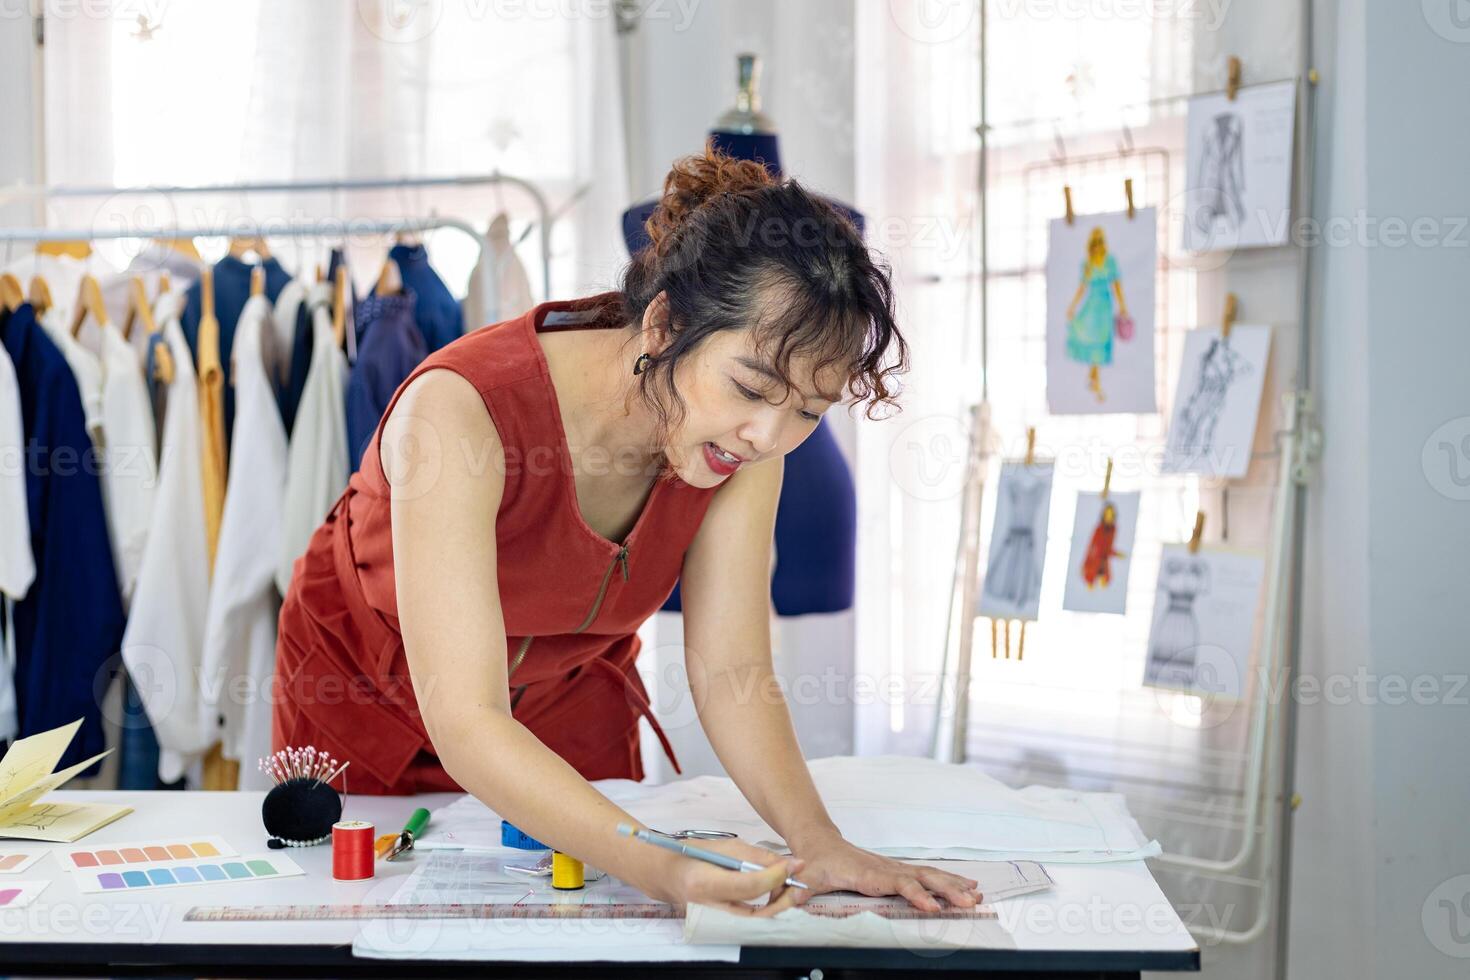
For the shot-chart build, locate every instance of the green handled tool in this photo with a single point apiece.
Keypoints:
(415, 826)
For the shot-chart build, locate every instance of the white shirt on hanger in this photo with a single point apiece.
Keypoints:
(240, 630)
(514, 286)
(165, 632)
(17, 562)
(316, 467)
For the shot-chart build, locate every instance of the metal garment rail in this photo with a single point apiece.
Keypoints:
(544, 216)
(284, 231)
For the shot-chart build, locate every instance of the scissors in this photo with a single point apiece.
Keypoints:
(699, 834)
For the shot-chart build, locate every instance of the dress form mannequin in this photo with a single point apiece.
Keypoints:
(816, 522)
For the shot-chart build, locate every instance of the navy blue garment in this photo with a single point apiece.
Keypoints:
(437, 313)
(391, 347)
(70, 624)
(231, 290)
(816, 520)
(288, 393)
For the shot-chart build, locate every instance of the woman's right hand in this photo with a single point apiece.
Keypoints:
(683, 880)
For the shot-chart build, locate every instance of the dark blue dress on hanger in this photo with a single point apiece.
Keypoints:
(816, 521)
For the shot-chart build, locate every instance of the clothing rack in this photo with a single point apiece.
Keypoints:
(545, 218)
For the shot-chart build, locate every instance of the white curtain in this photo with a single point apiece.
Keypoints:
(281, 90)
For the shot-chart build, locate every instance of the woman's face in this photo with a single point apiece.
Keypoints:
(734, 407)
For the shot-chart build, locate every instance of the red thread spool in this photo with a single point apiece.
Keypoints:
(352, 850)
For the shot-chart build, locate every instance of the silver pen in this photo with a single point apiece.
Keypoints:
(689, 850)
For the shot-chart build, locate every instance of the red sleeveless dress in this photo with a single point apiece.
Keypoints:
(572, 600)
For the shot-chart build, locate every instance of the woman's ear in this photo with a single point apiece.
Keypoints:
(655, 328)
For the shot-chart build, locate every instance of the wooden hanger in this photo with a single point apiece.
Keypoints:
(138, 307)
(11, 294)
(390, 279)
(206, 293)
(257, 281)
(40, 295)
(76, 249)
(89, 300)
(163, 284)
(339, 305)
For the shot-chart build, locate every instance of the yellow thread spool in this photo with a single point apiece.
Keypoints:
(566, 872)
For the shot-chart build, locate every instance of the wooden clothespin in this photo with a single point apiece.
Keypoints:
(1021, 646)
(1107, 479)
(1067, 193)
(1008, 639)
(994, 642)
(11, 293)
(1128, 192)
(1199, 530)
(1232, 77)
(1030, 445)
(1228, 320)
(257, 281)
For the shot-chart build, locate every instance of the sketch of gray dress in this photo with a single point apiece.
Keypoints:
(1015, 571)
(1194, 434)
(1220, 183)
(1175, 640)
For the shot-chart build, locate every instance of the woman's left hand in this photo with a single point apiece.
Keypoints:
(836, 865)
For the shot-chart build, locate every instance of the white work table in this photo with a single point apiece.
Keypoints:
(1098, 920)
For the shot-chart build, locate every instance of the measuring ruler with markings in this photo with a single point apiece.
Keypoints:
(308, 913)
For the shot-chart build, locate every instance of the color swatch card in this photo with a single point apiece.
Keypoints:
(250, 867)
(181, 848)
(19, 894)
(14, 860)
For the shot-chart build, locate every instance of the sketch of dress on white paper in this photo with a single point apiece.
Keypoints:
(1175, 638)
(1015, 572)
(1193, 434)
(1220, 182)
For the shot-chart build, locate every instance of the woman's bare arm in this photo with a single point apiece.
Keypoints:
(445, 462)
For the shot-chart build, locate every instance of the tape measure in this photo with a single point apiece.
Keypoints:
(612, 910)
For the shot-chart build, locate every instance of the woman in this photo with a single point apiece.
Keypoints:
(1090, 328)
(467, 615)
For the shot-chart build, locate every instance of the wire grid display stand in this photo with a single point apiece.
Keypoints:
(1229, 781)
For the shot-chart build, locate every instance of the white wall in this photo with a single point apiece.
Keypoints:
(682, 77)
(1381, 835)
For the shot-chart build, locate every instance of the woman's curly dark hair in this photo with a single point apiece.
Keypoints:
(734, 247)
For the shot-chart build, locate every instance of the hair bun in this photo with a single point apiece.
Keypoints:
(695, 180)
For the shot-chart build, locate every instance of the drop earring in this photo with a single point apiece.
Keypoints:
(641, 364)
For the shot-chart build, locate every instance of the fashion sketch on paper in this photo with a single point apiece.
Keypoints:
(1220, 367)
(1220, 182)
(1097, 566)
(1015, 571)
(1096, 311)
(1175, 638)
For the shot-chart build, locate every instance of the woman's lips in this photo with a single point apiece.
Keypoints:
(718, 463)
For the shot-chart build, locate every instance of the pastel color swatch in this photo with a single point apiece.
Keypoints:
(18, 894)
(253, 867)
(15, 861)
(148, 852)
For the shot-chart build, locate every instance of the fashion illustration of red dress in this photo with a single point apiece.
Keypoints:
(1097, 566)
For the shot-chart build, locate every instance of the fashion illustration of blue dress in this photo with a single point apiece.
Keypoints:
(1090, 331)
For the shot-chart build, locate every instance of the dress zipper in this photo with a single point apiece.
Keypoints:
(621, 557)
